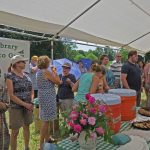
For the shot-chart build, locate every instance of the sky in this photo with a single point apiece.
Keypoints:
(85, 47)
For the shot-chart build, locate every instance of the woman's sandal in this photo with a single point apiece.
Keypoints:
(51, 140)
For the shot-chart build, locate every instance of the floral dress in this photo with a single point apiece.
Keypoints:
(47, 97)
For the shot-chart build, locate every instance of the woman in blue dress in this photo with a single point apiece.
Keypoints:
(46, 81)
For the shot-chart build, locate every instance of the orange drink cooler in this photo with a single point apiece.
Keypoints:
(113, 103)
(128, 103)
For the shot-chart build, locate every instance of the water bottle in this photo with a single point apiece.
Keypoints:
(49, 146)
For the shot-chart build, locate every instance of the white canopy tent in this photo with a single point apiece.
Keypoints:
(109, 22)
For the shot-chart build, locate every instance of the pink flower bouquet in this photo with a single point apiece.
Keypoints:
(89, 117)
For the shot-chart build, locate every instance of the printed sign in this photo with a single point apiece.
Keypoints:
(9, 48)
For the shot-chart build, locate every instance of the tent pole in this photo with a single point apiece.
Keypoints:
(52, 50)
(135, 39)
(61, 30)
(71, 22)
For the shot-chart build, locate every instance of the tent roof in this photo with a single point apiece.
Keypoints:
(118, 21)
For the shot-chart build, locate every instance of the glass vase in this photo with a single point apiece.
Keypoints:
(89, 144)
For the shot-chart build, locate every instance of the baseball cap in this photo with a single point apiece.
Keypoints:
(17, 58)
(68, 65)
(34, 58)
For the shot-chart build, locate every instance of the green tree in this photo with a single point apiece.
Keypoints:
(71, 54)
(110, 52)
(91, 56)
(82, 52)
(69, 48)
(99, 51)
(78, 57)
(124, 54)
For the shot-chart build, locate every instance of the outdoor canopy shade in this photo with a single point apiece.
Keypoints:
(108, 22)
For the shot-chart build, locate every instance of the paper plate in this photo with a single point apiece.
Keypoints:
(137, 143)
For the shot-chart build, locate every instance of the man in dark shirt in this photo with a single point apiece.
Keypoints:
(131, 75)
(65, 94)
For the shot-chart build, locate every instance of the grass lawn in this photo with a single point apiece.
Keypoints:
(34, 139)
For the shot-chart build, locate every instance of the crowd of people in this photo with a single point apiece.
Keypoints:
(41, 81)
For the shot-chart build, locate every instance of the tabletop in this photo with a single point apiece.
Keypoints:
(66, 144)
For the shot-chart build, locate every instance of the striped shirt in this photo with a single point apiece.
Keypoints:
(115, 67)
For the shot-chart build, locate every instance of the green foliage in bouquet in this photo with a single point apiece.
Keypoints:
(89, 117)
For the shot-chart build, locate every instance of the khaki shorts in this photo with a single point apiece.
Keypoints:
(19, 117)
(65, 104)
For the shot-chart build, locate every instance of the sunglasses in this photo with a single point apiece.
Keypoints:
(65, 67)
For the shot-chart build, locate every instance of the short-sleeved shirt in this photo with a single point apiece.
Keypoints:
(64, 89)
(85, 83)
(133, 75)
(22, 88)
(115, 67)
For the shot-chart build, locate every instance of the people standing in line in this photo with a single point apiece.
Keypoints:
(110, 78)
(21, 94)
(131, 75)
(65, 94)
(33, 70)
(89, 82)
(46, 81)
(147, 83)
(115, 67)
(82, 68)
